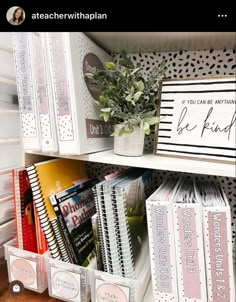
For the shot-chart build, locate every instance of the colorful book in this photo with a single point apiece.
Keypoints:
(74, 208)
(80, 129)
(47, 178)
(27, 213)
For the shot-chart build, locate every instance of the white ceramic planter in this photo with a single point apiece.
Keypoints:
(130, 145)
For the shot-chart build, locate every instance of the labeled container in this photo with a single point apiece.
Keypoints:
(27, 267)
(73, 283)
(68, 282)
(108, 287)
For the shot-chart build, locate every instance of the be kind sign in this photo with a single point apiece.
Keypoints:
(198, 118)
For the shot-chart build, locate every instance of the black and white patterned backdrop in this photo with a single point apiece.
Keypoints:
(183, 64)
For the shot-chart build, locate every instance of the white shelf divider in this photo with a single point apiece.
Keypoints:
(156, 162)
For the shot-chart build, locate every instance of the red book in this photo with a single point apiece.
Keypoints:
(24, 211)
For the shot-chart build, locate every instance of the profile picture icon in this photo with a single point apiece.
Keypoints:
(15, 15)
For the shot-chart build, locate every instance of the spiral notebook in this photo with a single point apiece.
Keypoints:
(121, 207)
(102, 225)
(130, 215)
(26, 232)
(47, 178)
(109, 224)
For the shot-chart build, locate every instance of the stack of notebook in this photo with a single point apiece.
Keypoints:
(120, 204)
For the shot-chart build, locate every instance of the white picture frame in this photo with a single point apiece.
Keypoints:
(198, 119)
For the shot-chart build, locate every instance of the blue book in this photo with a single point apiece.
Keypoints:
(74, 208)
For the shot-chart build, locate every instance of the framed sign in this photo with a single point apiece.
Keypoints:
(198, 118)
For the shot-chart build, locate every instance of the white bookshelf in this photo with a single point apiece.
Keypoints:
(156, 162)
(141, 42)
(162, 41)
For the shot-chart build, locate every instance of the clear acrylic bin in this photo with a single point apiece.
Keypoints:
(27, 267)
(6, 208)
(108, 287)
(7, 231)
(68, 282)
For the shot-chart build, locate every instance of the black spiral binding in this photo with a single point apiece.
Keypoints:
(60, 241)
(95, 190)
(115, 268)
(42, 212)
(120, 218)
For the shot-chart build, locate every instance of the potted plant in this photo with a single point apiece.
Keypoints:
(128, 101)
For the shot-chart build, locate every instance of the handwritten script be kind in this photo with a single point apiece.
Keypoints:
(206, 124)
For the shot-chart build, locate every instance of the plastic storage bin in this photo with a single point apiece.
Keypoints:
(108, 287)
(7, 231)
(27, 267)
(6, 208)
(68, 282)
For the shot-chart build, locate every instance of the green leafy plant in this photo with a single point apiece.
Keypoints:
(125, 96)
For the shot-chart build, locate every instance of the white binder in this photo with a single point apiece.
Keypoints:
(44, 97)
(26, 91)
(217, 242)
(79, 127)
(162, 242)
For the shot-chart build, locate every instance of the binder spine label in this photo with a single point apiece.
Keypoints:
(40, 73)
(23, 69)
(61, 87)
(98, 129)
(189, 252)
(25, 85)
(59, 66)
(161, 244)
(218, 241)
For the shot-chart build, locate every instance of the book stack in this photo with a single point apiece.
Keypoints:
(74, 208)
(120, 204)
(46, 178)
